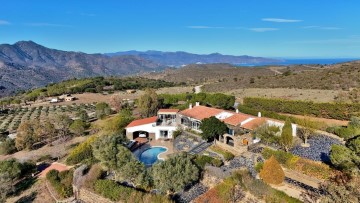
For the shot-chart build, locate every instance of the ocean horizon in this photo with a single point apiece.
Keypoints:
(286, 62)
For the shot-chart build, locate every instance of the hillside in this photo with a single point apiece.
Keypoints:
(224, 77)
(26, 64)
(181, 58)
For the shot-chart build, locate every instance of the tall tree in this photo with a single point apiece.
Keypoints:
(174, 174)
(306, 128)
(148, 103)
(211, 127)
(62, 124)
(26, 136)
(102, 110)
(44, 130)
(286, 139)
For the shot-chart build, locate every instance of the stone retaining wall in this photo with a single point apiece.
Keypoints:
(90, 197)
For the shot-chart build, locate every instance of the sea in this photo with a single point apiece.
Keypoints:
(287, 62)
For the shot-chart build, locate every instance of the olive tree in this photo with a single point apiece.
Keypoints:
(212, 127)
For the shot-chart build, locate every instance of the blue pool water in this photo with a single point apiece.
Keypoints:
(150, 156)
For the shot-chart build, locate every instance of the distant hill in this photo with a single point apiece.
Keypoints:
(180, 58)
(225, 77)
(26, 64)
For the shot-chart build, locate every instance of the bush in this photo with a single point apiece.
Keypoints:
(8, 147)
(92, 176)
(112, 190)
(227, 155)
(82, 152)
(259, 166)
(284, 158)
(201, 161)
(61, 182)
(272, 172)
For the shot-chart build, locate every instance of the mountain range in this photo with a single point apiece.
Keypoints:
(26, 64)
(181, 58)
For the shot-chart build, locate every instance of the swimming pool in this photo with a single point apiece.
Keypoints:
(150, 156)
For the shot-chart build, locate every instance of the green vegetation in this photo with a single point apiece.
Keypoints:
(286, 138)
(227, 155)
(268, 134)
(201, 160)
(233, 189)
(344, 158)
(102, 110)
(148, 103)
(212, 127)
(272, 172)
(347, 132)
(173, 174)
(340, 111)
(12, 172)
(82, 153)
(95, 84)
(216, 100)
(61, 182)
(7, 146)
(305, 166)
(115, 192)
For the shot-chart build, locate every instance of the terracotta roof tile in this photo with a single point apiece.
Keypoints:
(56, 166)
(236, 119)
(256, 122)
(142, 121)
(168, 110)
(201, 112)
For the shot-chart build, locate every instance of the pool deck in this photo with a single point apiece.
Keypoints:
(163, 143)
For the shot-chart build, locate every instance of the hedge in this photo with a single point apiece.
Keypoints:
(340, 111)
(115, 192)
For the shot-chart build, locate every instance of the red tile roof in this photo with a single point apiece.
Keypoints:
(256, 122)
(168, 110)
(56, 166)
(142, 121)
(201, 112)
(236, 119)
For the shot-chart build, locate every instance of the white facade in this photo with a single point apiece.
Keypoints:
(159, 131)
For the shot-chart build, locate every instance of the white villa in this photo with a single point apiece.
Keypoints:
(240, 126)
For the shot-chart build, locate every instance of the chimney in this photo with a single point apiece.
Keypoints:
(237, 110)
(190, 106)
(197, 103)
(259, 114)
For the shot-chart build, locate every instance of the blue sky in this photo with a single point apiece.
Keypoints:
(271, 28)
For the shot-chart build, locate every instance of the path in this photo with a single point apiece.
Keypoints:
(200, 148)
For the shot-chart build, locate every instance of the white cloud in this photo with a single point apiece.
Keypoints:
(203, 27)
(281, 20)
(42, 24)
(264, 29)
(321, 27)
(4, 22)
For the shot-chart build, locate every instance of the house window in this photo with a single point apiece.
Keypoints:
(164, 133)
(196, 125)
(231, 131)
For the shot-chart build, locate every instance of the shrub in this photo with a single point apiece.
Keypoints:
(112, 190)
(92, 176)
(216, 162)
(272, 172)
(8, 147)
(281, 156)
(82, 152)
(61, 182)
(201, 161)
(259, 166)
(227, 155)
